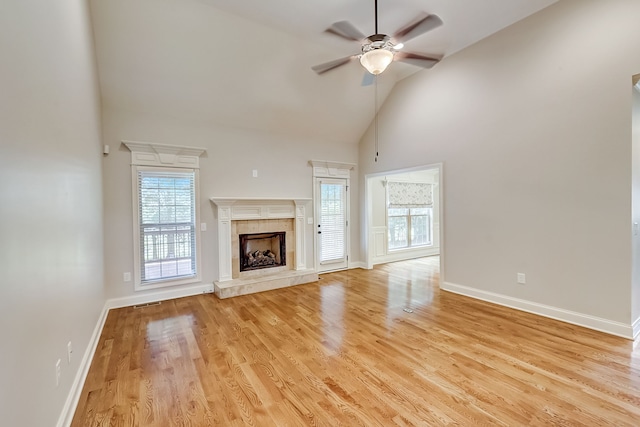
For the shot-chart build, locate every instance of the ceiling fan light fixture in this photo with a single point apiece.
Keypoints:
(376, 60)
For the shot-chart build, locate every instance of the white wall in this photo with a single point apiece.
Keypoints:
(182, 72)
(225, 171)
(636, 207)
(51, 255)
(533, 127)
(189, 60)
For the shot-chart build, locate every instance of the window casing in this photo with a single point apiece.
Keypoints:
(409, 215)
(332, 220)
(409, 227)
(166, 240)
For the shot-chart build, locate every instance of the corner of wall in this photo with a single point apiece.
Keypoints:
(70, 405)
(73, 398)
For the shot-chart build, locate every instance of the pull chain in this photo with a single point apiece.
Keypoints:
(375, 119)
(375, 111)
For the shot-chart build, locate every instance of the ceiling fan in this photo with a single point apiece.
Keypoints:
(379, 50)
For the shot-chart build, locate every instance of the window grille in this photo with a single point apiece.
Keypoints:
(409, 214)
(167, 224)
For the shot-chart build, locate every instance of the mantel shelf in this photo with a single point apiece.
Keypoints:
(257, 200)
(229, 209)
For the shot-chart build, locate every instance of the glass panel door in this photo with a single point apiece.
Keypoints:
(332, 224)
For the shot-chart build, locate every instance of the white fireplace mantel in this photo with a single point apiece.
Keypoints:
(245, 208)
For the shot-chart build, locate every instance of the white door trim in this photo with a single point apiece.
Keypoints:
(329, 169)
(342, 263)
(368, 231)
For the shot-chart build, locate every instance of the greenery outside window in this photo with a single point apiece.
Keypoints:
(167, 237)
(409, 215)
(409, 227)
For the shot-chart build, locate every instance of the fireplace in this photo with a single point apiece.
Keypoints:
(266, 218)
(262, 250)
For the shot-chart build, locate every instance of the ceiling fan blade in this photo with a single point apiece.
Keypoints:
(420, 60)
(328, 66)
(423, 23)
(346, 30)
(368, 79)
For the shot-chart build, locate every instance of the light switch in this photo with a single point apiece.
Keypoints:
(203, 226)
(310, 220)
(255, 173)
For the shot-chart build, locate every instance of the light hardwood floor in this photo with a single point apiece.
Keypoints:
(343, 351)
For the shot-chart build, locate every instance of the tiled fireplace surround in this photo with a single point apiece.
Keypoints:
(237, 216)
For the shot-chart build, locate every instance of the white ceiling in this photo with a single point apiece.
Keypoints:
(465, 21)
(247, 63)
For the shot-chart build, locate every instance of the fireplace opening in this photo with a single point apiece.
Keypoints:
(262, 250)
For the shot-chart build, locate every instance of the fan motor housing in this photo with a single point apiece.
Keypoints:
(377, 41)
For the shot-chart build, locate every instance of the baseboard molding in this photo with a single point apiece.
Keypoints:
(636, 328)
(81, 376)
(161, 295)
(406, 255)
(73, 398)
(585, 320)
(358, 264)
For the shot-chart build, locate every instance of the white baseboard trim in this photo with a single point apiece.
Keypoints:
(70, 405)
(406, 255)
(636, 328)
(585, 320)
(78, 383)
(358, 264)
(161, 295)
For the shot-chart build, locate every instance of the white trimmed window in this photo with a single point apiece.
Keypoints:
(409, 215)
(166, 224)
(165, 215)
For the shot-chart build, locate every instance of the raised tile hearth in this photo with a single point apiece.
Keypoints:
(236, 216)
(237, 287)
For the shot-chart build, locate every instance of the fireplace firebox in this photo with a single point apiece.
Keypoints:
(262, 250)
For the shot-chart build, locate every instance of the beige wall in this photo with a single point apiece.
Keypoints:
(225, 171)
(636, 205)
(51, 256)
(185, 84)
(190, 60)
(533, 127)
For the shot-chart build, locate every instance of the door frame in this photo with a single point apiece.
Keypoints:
(339, 170)
(317, 181)
(368, 214)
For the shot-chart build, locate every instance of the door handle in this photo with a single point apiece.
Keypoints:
(319, 232)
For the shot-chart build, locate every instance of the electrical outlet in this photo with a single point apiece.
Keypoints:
(126, 277)
(69, 351)
(522, 279)
(58, 372)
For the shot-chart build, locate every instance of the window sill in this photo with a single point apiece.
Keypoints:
(166, 283)
(410, 249)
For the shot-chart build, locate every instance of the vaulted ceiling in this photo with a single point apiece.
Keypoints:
(248, 63)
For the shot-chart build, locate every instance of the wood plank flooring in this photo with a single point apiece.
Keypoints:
(343, 351)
